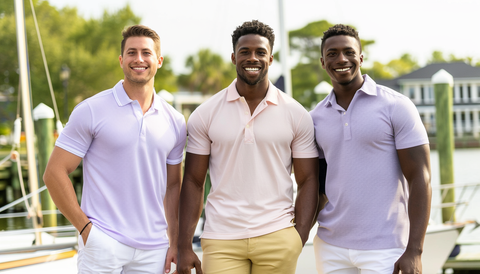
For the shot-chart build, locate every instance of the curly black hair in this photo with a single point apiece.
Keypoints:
(253, 27)
(340, 29)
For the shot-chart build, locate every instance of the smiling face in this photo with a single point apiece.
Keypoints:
(140, 61)
(342, 59)
(252, 57)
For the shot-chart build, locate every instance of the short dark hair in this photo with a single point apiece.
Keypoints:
(253, 27)
(340, 29)
(139, 31)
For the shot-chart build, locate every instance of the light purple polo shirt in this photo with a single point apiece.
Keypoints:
(125, 155)
(366, 189)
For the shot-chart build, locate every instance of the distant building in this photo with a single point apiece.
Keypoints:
(418, 87)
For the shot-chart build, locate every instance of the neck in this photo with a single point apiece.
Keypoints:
(143, 93)
(344, 92)
(252, 92)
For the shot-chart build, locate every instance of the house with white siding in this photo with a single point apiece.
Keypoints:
(418, 86)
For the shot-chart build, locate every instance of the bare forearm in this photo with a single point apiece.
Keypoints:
(306, 207)
(61, 190)
(171, 211)
(191, 205)
(419, 212)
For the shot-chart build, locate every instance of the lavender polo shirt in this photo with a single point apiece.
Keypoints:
(250, 160)
(125, 156)
(366, 189)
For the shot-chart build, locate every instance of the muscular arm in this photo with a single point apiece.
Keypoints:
(60, 164)
(171, 211)
(415, 164)
(322, 178)
(306, 175)
(191, 204)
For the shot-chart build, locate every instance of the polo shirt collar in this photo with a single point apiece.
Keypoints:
(271, 97)
(122, 99)
(369, 87)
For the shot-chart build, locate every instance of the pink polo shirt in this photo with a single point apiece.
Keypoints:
(250, 160)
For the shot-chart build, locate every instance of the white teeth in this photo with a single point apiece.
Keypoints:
(251, 69)
(345, 69)
(139, 68)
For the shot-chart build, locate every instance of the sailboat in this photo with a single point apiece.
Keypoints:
(29, 246)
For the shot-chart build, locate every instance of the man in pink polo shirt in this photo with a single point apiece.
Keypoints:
(375, 150)
(249, 135)
(131, 142)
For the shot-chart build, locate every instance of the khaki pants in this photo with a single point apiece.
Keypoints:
(276, 252)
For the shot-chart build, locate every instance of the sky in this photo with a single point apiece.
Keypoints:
(417, 27)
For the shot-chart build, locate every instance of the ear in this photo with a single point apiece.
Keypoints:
(160, 61)
(322, 62)
(361, 59)
(120, 59)
(270, 60)
(234, 61)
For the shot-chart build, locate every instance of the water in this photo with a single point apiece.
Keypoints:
(466, 170)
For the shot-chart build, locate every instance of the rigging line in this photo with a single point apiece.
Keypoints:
(45, 61)
(23, 198)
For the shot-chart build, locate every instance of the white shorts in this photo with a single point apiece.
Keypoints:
(103, 254)
(332, 259)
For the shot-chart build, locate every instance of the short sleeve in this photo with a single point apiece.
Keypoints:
(303, 145)
(77, 135)
(407, 125)
(198, 140)
(176, 155)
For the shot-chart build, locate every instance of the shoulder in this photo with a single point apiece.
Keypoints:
(212, 104)
(289, 102)
(98, 100)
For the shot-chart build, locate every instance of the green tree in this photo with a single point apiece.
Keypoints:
(404, 65)
(437, 57)
(377, 71)
(165, 77)
(209, 73)
(395, 68)
(90, 48)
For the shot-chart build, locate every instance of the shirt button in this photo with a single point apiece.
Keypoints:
(344, 112)
(248, 125)
(346, 124)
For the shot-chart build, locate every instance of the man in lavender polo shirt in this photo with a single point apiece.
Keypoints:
(378, 174)
(131, 142)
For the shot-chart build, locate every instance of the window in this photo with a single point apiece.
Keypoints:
(411, 93)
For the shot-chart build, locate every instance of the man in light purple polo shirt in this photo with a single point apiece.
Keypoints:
(131, 142)
(377, 179)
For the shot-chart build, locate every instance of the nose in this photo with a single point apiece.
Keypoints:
(138, 57)
(252, 57)
(342, 58)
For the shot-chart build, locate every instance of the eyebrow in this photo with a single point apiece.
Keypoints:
(347, 48)
(262, 48)
(144, 49)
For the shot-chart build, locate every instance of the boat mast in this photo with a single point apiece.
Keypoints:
(284, 49)
(27, 111)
